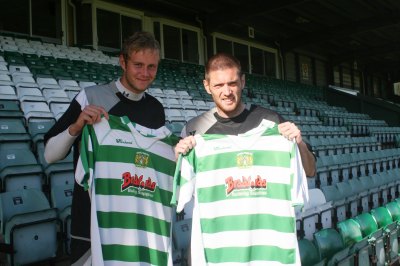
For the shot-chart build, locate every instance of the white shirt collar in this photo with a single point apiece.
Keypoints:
(127, 93)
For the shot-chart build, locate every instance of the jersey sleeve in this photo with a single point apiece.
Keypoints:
(184, 180)
(299, 180)
(85, 165)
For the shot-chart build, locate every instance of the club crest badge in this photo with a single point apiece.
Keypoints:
(141, 159)
(244, 160)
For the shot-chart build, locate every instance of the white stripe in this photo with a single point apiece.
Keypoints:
(250, 238)
(263, 144)
(123, 263)
(246, 206)
(101, 129)
(132, 237)
(252, 263)
(115, 171)
(147, 207)
(107, 136)
(212, 178)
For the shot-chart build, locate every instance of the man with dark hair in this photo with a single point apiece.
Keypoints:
(224, 81)
(139, 61)
(231, 199)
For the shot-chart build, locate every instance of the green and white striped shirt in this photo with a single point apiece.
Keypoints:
(245, 188)
(128, 170)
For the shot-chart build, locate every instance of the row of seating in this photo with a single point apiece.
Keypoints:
(346, 199)
(31, 223)
(370, 238)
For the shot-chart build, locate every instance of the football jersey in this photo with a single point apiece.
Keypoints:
(245, 188)
(128, 170)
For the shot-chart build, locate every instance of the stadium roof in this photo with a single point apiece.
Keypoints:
(341, 30)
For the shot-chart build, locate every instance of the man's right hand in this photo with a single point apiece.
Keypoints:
(91, 114)
(184, 145)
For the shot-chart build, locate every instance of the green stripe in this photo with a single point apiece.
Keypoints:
(248, 222)
(117, 123)
(228, 160)
(119, 154)
(113, 187)
(255, 253)
(133, 221)
(217, 193)
(134, 254)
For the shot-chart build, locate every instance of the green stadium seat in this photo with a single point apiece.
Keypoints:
(376, 236)
(330, 246)
(309, 254)
(391, 229)
(359, 246)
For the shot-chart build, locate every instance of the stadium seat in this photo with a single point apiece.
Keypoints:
(309, 253)
(330, 246)
(376, 236)
(36, 111)
(332, 194)
(56, 96)
(181, 232)
(7, 92)
(19, 170)
(315, 215)
(60, 173)
(175, 127)
(385, 221)
(174, 115)
(58, 109)
(61, 199)
(30, 94)
(47, 83)
(29, 226)
(13, 135)
(11, 110)
(5, 80)
(37, 129)
(351, 198)
(359, 246)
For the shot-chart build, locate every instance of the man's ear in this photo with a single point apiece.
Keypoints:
(122, 62)
(243, 80)
(206, 85)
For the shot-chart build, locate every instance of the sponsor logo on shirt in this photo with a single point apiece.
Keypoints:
(137, 181)
(244, 184)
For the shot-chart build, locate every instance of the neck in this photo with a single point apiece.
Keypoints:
(233, 113)
(127, 93)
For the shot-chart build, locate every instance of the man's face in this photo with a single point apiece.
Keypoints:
(140, 69)
(225, 87)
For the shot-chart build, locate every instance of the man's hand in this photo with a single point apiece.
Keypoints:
(91, 114)
(184, 146)
(290, 131)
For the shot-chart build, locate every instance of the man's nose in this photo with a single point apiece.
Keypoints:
(227, 89)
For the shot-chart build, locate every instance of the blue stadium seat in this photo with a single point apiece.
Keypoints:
(29, 226)
(61, 199)
(19, 169)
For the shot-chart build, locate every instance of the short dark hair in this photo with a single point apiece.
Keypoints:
(222, 61)
(140, 40)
